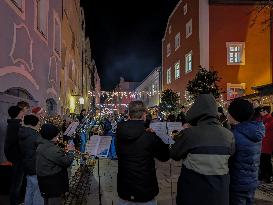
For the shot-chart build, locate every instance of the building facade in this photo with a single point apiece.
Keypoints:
(74, 73)
(203, 33)
(30, 60)
(149, 89)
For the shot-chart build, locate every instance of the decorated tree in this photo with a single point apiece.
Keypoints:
(169, 101)
(205, 82)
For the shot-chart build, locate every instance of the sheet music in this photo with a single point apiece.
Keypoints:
(71, 129)
(161, 130)
(99, 146)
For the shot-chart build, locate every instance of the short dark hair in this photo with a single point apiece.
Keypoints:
(31, 120)
(83, 110)
(266, 108)
(23, 104)
(14, 111)
(136, 109)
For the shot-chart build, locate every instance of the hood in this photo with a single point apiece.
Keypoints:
(131, 130)
(253, 130)
(204, 108)
(24, 132)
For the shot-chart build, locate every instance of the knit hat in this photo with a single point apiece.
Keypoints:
(49, 131)
(31, 120)
(37, 110)
(241, 110)
(14, 111)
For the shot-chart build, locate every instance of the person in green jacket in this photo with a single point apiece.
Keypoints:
(51, 164)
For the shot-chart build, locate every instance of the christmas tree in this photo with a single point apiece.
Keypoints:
(205, 82)
(169, 101)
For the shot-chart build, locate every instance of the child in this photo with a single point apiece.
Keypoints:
(244, 165)
(52, 164)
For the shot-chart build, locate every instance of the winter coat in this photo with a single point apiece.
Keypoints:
(244, 165)
(12, 148)
(51, 164)
(28, 140)
(267, 143)
(205, 149)
(136, 150)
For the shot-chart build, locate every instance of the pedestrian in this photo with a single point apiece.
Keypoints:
(51, 165)
(12, 152)
(223, 118)
(25, 107)
(266, 173)
(28, 140)
(244, 165)
(205, 148)
(136, 149)
(181, 117)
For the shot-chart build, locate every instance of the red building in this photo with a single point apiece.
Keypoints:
(222, 35)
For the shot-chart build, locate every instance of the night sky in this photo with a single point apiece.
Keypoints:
(126, 36)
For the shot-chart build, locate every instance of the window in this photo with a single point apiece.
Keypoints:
(177, 70)
(169, 78)
(188, 60)
(189, 29)
(42, 17)
(185, 9)
(235, 90)
(153, 89)
(235, 53)
(168, 49)
(179, 95)
(57, 35)
(18, 6)
(177, 41)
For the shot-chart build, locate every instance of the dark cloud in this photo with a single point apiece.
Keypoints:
(126, 36)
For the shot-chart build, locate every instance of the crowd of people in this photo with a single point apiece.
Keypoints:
(223, 156)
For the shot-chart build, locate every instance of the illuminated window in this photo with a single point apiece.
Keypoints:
(177, 70)
(188, 60)
(235, 90)
(169, 78)
(168, 49)
(177, 41)
(235, 53)
(189, 29)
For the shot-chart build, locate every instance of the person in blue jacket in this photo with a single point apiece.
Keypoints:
(244, 164)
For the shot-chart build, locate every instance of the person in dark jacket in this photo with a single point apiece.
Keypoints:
(205, 149)
(181, 117)
(136, 150)
(223, 118)
(28, 140)
(12, 152)
(266, 173)
(51, 165)
(244, 165)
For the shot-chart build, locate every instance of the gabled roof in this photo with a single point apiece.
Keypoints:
(236, 2)
(176, 7)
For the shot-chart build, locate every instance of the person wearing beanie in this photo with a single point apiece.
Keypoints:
(266, 173)
(12, 152)
(244, 165)
(28, 140)
(204, 148)
(51, 165)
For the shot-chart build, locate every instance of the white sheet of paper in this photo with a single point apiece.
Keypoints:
(160, 128)
(174, 126)
(99, 146)
(71, 129)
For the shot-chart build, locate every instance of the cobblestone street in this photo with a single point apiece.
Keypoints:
(167, 173)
